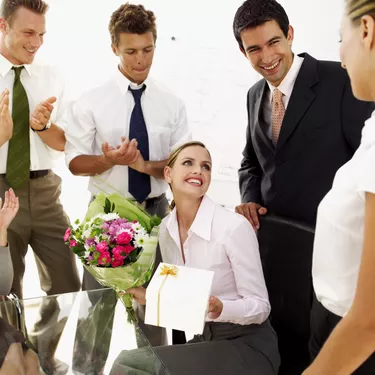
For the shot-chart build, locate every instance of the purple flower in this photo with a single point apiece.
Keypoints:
(105, 226)
(90, 241)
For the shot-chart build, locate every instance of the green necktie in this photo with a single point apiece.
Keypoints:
(18, 163)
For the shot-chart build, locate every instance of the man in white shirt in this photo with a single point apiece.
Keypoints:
(121, 133)
(31, 108)
(303, 124)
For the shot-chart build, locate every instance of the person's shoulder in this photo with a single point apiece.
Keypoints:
(96, 93)
(256, 87)
(331, 70)
(232, 219)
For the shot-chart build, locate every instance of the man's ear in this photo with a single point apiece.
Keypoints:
(290, 36)
(167, 174)
(115, 49)
(367, 29)
(3, 25)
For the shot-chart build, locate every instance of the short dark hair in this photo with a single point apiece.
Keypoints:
(133, 19)
(9, 7)
(253, 13)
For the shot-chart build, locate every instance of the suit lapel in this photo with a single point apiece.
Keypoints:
(262, 132)
(301, 99)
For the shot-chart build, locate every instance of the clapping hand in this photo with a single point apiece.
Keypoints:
(125, 154)
(9, 209)
(215, 307)
(6, 122)
(42, 114)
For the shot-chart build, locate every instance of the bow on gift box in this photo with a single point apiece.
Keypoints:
(165, 271)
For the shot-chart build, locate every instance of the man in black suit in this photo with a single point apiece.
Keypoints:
(303, 124)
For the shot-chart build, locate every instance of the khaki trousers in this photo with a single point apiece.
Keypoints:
(41, 223)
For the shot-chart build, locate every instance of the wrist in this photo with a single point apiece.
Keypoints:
(3, 237)
(107, 162)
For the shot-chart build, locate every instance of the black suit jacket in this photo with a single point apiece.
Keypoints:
(320, 132)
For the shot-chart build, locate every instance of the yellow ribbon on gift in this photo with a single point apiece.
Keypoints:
(165, 271)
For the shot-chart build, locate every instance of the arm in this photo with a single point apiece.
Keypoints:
(354, 113)
(353, 339)
(54, 137)
(243, 252)
(152, 168)
(250, 172)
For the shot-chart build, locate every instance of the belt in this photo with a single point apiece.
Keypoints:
(34, 174)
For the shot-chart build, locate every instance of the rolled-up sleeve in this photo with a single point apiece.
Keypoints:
(80, 131)
(243, 252)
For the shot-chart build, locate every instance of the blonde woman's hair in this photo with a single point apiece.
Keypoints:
(174, 155)
(356, 9)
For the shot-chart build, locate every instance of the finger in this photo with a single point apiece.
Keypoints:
(123, 148)
(4, 94)
(1, 201)
(254, 215)
(262, 211)
(42, 113)
(105, 147)
(6, 199)
(51, 100)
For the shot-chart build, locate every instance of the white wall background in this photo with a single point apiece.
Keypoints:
(202, 65)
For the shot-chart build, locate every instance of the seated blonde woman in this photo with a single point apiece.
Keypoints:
(201, 234)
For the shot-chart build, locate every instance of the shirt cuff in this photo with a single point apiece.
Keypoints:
(230, 311)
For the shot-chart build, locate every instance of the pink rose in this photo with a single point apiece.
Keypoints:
(129, 249)
(117, 262)
(102, 247)
(119, 252)
(72, 243)
(67, 235)
(123, 238)
(104, 258)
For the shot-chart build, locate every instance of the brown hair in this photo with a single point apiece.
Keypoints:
(356, 9)
(174, 155)
(133, 19)
(9, 7)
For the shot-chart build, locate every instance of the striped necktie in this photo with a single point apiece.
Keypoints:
(18, 162)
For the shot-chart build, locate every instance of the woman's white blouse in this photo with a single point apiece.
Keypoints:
(340, 227)
(224, 242)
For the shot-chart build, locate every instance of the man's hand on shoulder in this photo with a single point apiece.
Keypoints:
(6, 122)
(42, 114)
(251, 211)
(125, 154)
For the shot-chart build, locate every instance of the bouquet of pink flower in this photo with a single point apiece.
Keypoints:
(116, 243)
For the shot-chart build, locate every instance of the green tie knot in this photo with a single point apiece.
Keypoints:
(17, 71)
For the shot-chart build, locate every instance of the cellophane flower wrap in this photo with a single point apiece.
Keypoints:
(116, 243)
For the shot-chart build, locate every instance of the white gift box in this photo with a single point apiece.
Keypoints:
(180, 301)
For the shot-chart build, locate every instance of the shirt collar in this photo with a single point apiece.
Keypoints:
(123, 82)
(202, 223)
(287, 84)
(6, 66)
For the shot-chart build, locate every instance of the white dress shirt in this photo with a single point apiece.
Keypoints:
(286, 87)
(40, 83)
(340, 227)
(222, 241)
(103, 115)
